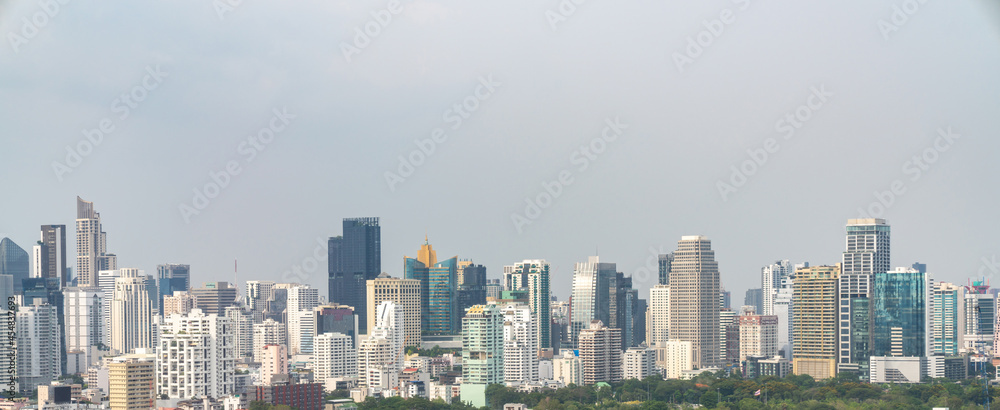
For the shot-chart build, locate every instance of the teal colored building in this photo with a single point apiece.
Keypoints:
(439, 313)
(899, 315)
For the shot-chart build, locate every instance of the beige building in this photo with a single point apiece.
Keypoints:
(406, 294)
(131, 313)
(814, 323)
(601, 354)
(658, 316)
(674, 357)
(694, 299)
(132, 382)
(180, 303)
(758, 335)
(274, 362)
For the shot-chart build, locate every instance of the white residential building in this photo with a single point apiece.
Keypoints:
(520, 345)
(659, 315)
(242, 330)
(38, 345)
(131, 313)
(195, 356)
(82, 310)
(675, 357)
(770, 281)
(269, 332)
(638, 363)
(568, 368)
(758, 336)
(334, 356)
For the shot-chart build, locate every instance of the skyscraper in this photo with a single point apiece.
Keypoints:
(406, 294)
(520, 345)
(242, 323)
(438, 308)
(900, 313)
(83, 321)
(91, 245)
(947, 319)
(867, 253)
(14, 262)
(663, 263)
(770, 281)
(354, 259)
(332, 318)
(38, 345)
(131, 313)
(482, 351)
(814, 325)
(754, 297)
(694, 298)
(335, 356)
(980, 312)
(172, 277)
(52, 253)
(594, 287)
(533, 275)
(659, 315)
(471, 285)
(258, 293)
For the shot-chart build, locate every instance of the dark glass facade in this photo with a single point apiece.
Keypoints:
(14, 262)
(172, 277)
(439, 313)
(354, 259)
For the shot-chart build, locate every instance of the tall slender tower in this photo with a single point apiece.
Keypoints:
(438, 287)
(91, 245)
(594, 287)
(354, 259)
(536, 273)
(770, 281)
(52, 253)
(131, 312)
(867, 253)
(694, 299)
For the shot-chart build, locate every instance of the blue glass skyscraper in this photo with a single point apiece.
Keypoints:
(438, 285)
(14, 262)
(354, 259)
(900, 313)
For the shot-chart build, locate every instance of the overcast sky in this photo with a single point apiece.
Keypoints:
(840, 96)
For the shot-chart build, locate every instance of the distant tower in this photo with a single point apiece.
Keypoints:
(866, 254)
(91, 245)
(694, 299)
(354, 258)
(131, 313)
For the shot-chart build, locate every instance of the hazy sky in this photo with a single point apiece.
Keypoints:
(518, 95)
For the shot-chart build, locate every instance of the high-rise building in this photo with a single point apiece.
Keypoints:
(980, 313)
(694, 303)
(47, 290)
(568, 368)
(783, 310)
(172, 277)
(533, 275)
(39, 343)
(301, 322)
(354, 259)
(195, 356)
(520, 345)
(814, 323)
(659, 315)
(947, 319)
(900, 308)
(82, 307)
(674, 358)
(335, 356)
(482, 344)
(8, 358)
(14, 262)
(275, 362)
(638, 363)
(601, 354)
(131, 381)
(482, 351)
(91, 245)
(242, 330)
(406, 294)
(380, 357)
(180, 302)
(276, 304)
(258, 293)
(628, 312)
(866, 253)
(663, 264)
(336, 319)
(594, 288)
(729, 341)
(214, 297)
(266, 333)
(438, 307)
(725, 298)
(52, 253)
(754, 297)
(758, 335)
(131, 313)
(770, 282)
(106, 282)
(471, 285)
